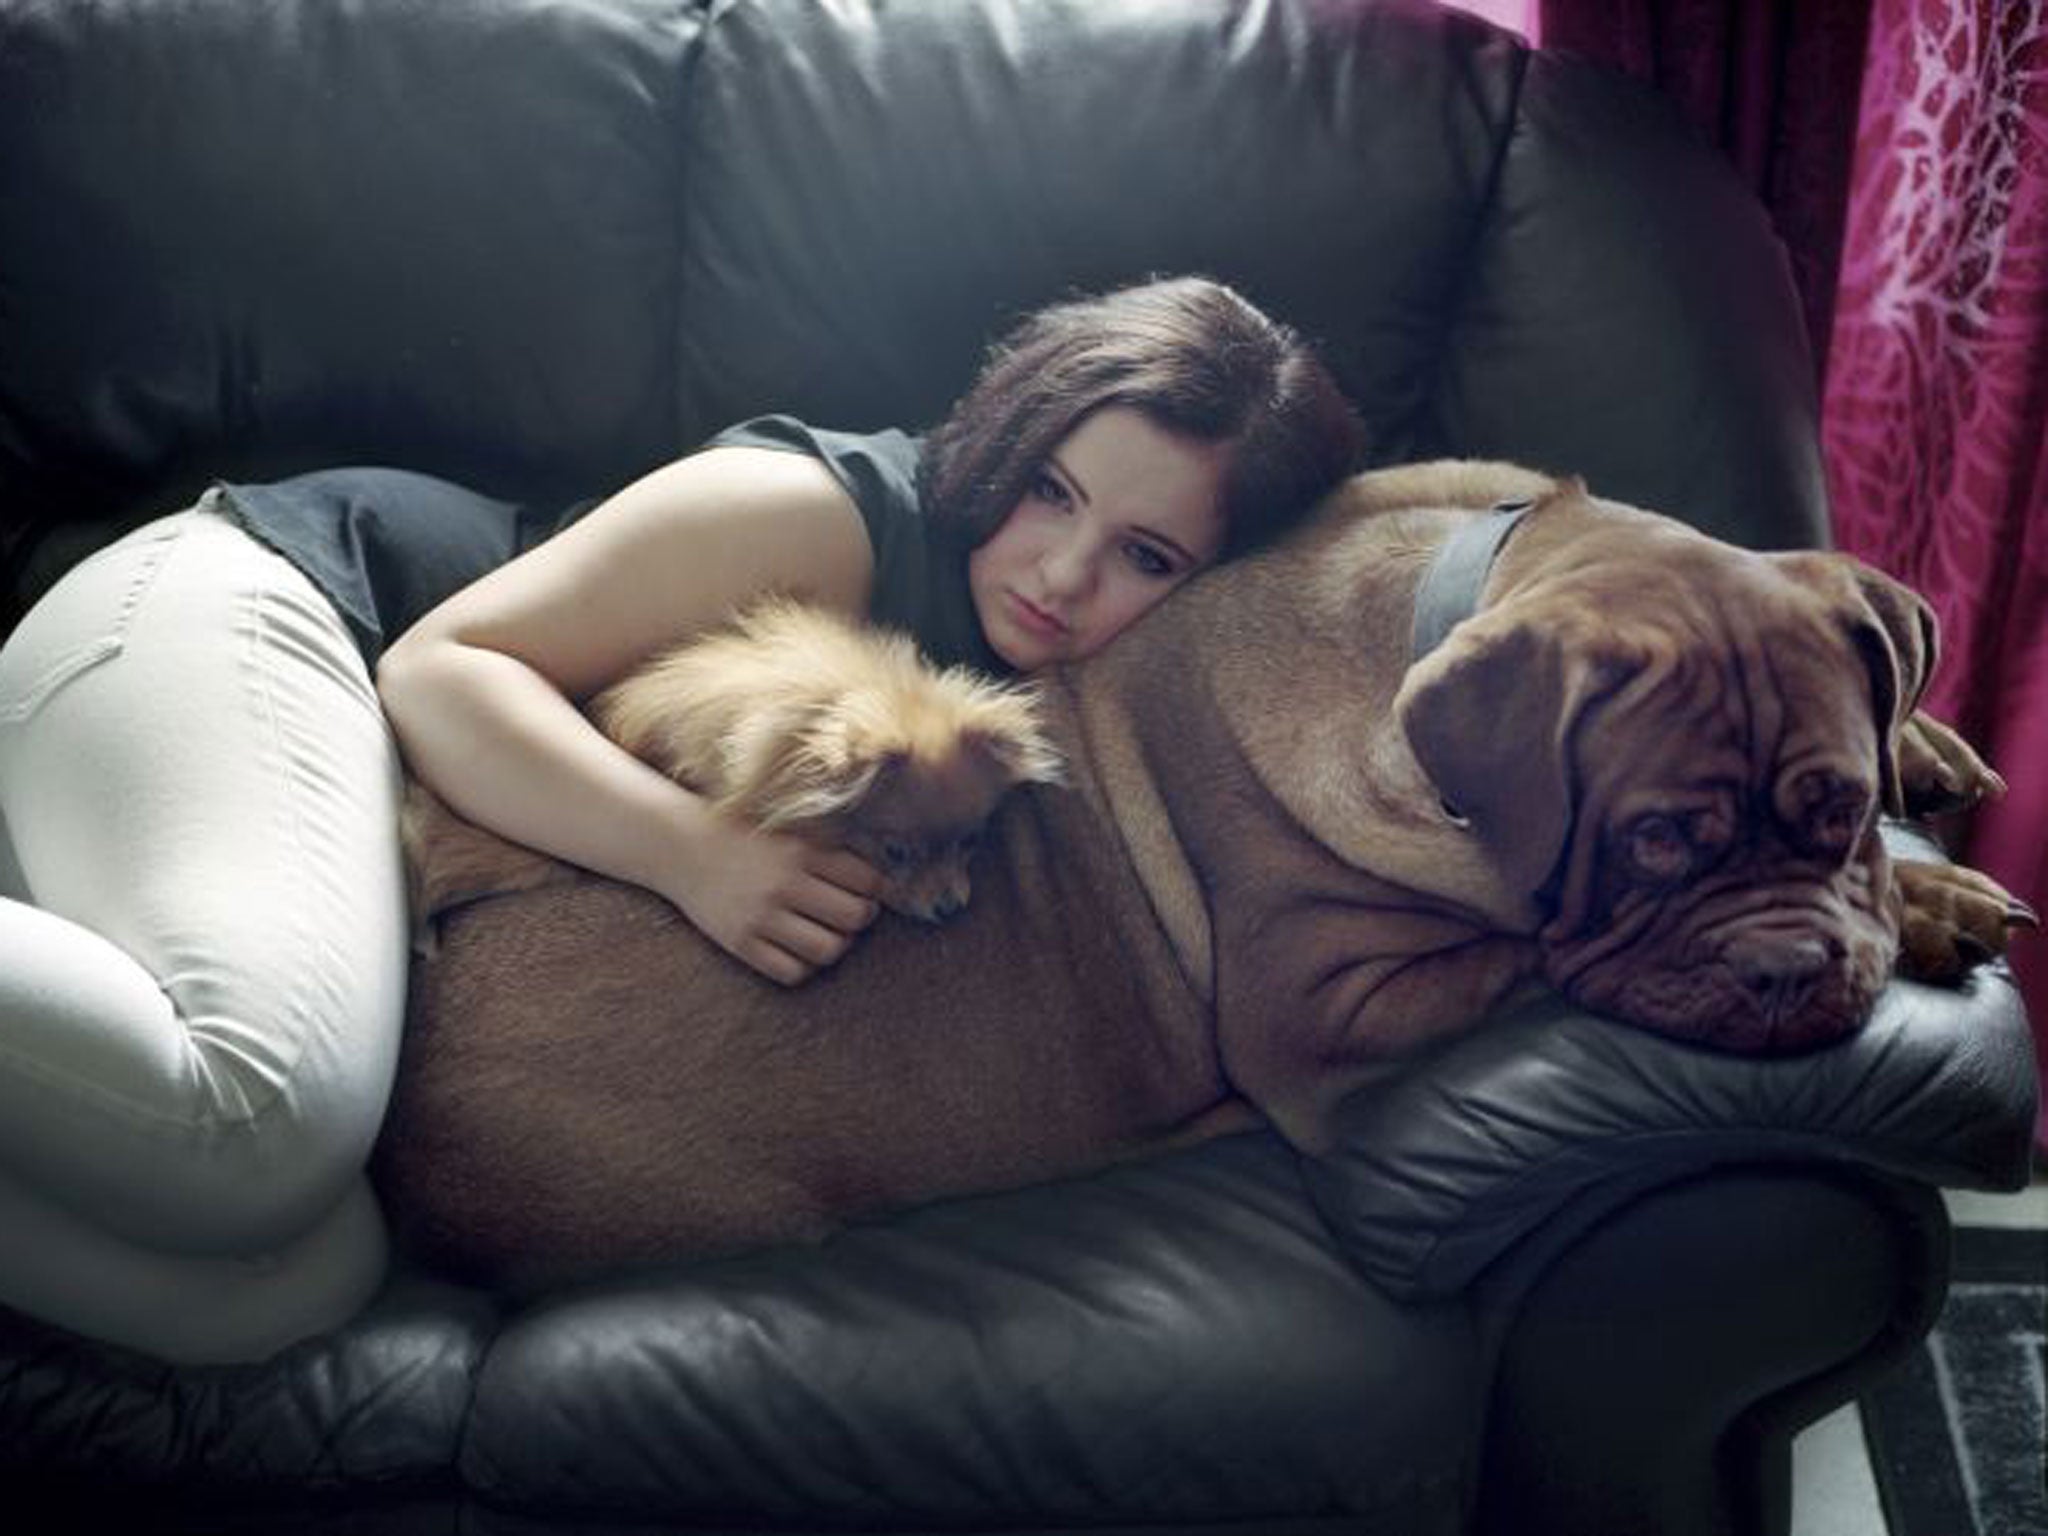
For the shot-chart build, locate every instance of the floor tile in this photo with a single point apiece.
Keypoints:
(1833, 1493)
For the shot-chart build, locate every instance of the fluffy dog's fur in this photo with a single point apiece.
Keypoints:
(790, 719)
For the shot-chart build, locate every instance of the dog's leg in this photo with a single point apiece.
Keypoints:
(450, 861)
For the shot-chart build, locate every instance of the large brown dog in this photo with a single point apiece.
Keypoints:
(1648, 770)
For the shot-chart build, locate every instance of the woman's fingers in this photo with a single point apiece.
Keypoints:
(838, 891)
(793, 948)
(824, 913)
(847, 870)
(782, 906)
(777, 965)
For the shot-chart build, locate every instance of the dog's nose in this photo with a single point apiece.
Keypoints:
(948, 907)
(1779, 971)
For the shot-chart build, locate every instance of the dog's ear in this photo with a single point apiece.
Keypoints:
(1490, 716)
(1910, 628)
(1004, 727)
(1895, 632)
(796, 770)
(1900, 649)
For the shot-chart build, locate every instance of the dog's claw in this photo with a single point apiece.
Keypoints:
(2019, 915)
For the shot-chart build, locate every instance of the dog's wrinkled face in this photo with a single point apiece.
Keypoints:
(1690, 763)
(1723, 880)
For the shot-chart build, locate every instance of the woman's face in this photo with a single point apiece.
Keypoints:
(1118, 515)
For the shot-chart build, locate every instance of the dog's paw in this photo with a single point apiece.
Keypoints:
(1953, 919)
(1939, 771)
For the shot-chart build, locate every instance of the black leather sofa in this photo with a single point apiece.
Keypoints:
(1562, 1278)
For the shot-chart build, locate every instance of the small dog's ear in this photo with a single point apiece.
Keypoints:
(823, 768)
(1023, 757)
(1004, 726)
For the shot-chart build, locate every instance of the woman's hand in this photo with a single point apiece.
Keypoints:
(781, 906)
(479, 692)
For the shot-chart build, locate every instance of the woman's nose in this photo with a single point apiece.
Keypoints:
(1066, 566)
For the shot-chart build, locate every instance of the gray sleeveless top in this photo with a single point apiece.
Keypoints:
(386, 545)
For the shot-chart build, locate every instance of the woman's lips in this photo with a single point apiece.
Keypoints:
(1034, 619)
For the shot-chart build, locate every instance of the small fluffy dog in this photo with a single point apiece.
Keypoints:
(790, 719)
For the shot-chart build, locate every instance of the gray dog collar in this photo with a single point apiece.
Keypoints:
(1457, 575)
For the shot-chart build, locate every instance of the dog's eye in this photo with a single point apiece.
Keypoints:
(1658, 849)
(896, 853)
(1840, 823)
(1833, 815)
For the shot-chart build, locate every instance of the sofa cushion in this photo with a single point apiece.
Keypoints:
(854, 231)
(376, 1406)
(243, 239)
(1621, 255)
(1170, 1339)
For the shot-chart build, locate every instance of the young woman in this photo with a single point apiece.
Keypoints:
(202, 981)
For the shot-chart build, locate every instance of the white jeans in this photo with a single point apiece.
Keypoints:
(202, 949)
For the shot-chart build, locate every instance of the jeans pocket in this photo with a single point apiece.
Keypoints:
(84, 619)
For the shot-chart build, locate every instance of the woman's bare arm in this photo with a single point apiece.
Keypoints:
(481, 692)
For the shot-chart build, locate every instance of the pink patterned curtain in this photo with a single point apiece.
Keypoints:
(1935, 416)
(1902, 148)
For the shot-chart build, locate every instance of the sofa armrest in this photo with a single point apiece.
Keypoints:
(1654, 1367)
(1438, 1172)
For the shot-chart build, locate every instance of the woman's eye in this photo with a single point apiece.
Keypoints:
(1147, 560)
(1046, 488)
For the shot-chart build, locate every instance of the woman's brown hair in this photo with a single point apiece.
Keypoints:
(1196, 357)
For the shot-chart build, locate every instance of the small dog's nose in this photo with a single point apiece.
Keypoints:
(1778, 970)
(948, 907)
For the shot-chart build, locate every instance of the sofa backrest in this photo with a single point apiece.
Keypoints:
(541, 245)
